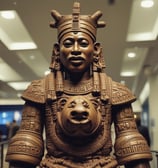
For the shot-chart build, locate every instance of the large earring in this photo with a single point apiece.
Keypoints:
(98, 61)
(96, 82)
(98, 67)
(56, 68)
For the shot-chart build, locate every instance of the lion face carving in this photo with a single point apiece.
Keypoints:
(79, 116)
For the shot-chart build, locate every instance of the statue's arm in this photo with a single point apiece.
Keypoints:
(131, 148)
(26, 149)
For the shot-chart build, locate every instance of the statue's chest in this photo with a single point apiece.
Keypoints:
(78, 123)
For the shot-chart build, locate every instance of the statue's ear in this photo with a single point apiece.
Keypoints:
(55, 56)
(98, 61)
(97, 48)
(56, 49)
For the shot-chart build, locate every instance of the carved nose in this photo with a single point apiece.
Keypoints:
(79, 116)
(76, 52)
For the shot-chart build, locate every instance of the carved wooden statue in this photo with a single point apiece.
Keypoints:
(76, 104)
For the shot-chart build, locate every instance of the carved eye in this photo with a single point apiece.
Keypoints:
(83, 43)
(61, 103)
(72, 104)
(68, 43)
(85, 104)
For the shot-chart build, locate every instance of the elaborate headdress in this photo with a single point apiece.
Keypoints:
(76, 22)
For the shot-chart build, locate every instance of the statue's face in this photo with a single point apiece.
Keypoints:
(76, 51)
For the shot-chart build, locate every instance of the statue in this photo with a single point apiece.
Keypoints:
(76, 104)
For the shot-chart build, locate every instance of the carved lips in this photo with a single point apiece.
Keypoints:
(76, 60)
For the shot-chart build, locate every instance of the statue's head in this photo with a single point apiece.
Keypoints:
(77, 46)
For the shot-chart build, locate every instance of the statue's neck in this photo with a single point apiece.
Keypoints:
(76, 77)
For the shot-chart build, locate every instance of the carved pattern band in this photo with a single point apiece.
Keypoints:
(81, 88)
(97, 162)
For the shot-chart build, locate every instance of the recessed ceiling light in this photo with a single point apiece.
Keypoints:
(19, 85)
(128, 73)
(8, 14)
(131, 54)
(132, 66)
(47, 72)
(147, 3)
(11, 36)
(22, 46)
(143, 31)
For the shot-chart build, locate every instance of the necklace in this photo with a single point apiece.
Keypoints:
(78, 88)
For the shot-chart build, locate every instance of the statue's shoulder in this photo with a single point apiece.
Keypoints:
(117, 92)
(40, 90)
(35, 92)
(121, 94)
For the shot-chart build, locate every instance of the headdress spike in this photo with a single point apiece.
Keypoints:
(57, 16)
(95, 17)
(75, 16)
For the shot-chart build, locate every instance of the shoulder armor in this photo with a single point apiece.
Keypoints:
(121, 94)
(35, 91)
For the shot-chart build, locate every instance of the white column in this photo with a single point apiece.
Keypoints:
(153, 110)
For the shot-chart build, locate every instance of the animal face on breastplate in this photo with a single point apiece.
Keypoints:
(78, 116)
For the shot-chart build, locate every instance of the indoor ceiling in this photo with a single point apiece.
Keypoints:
(130, 29)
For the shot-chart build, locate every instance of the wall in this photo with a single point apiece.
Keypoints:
(153, 110)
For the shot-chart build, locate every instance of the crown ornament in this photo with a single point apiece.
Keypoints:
(76, 22)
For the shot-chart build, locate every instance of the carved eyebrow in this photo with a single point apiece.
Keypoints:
(69, 38)
(72, 104)
(85, 104)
